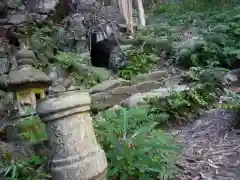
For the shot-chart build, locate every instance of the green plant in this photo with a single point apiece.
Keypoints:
(32, 129)
(13, 169)
(140, 63)
(230, 101)
(88, 80)
(134, 149)
(68, 59)
(181, 106)
(211, 76)
(38, 38)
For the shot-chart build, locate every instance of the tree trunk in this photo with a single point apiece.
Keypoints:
(141, 13)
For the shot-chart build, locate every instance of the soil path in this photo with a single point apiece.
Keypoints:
(211, 148)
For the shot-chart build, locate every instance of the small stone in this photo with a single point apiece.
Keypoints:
(12, 4)
(141, 98)
(55, 71)
(221, 28)
(132, 101)
(153, 76)
(109, 85)
(147, 86)
(17, 18)
(4, 65)
(21, 8)
(124, 91)
(41, 6)
(104, 100)
(84, 69)
(25, 54)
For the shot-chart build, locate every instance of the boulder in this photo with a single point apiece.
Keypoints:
(147, 86)
(109, 85)
(17, 18)
(141, 98)
(13, 4)
(153, 76)
(104, 100)
(55, 71)
(221, 28)
(4, 65)
(16, 152)
(42, 6)
(84, 69)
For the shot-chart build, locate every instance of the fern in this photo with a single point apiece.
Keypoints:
(133, 148)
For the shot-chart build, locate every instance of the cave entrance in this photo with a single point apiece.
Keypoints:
(102, 42)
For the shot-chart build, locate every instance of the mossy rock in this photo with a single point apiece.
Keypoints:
(221, 28)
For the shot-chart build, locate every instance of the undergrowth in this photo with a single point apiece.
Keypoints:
(12, 169)
(182, 106)
(134, 149)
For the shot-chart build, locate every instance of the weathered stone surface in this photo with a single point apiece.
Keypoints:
(17, 152)
(141, 98)
(104, 100)
(173, 81)
(12, 4)
(17, 18)
(83, 70)
(37, 17)
(153, 76)
(55, 71)
(4, 65)
(77, 155)
(109, 85)
(41, 6)
(147, 86)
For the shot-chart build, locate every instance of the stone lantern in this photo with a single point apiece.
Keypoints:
(26, 82)
(76, 153)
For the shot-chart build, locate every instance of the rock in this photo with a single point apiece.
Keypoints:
(84, 69)
(37, 17)
(104, 100)
(109, 85)
(17, 18)
(22, 7)
(192, 44)
(141, 98)
(13, 133)
(13, 4)
(55, 71)
(124, 91)
(61, 85)
(15, 151)
(4, 65)
(133, 100)
(147, 86)
(116, 108)
(221, 28)
(41, 6)
(173, 81)
(153, 76)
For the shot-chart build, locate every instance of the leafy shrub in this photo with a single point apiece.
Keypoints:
(212, 76)
(134, 149)
(68, 59)
(88, 80)
(38, 38)
(32, 129)
(140, 63)
(12, 169)
(181, 106)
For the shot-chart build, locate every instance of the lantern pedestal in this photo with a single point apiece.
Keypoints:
(77, 155)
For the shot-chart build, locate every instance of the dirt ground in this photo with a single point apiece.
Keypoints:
(211, 148)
